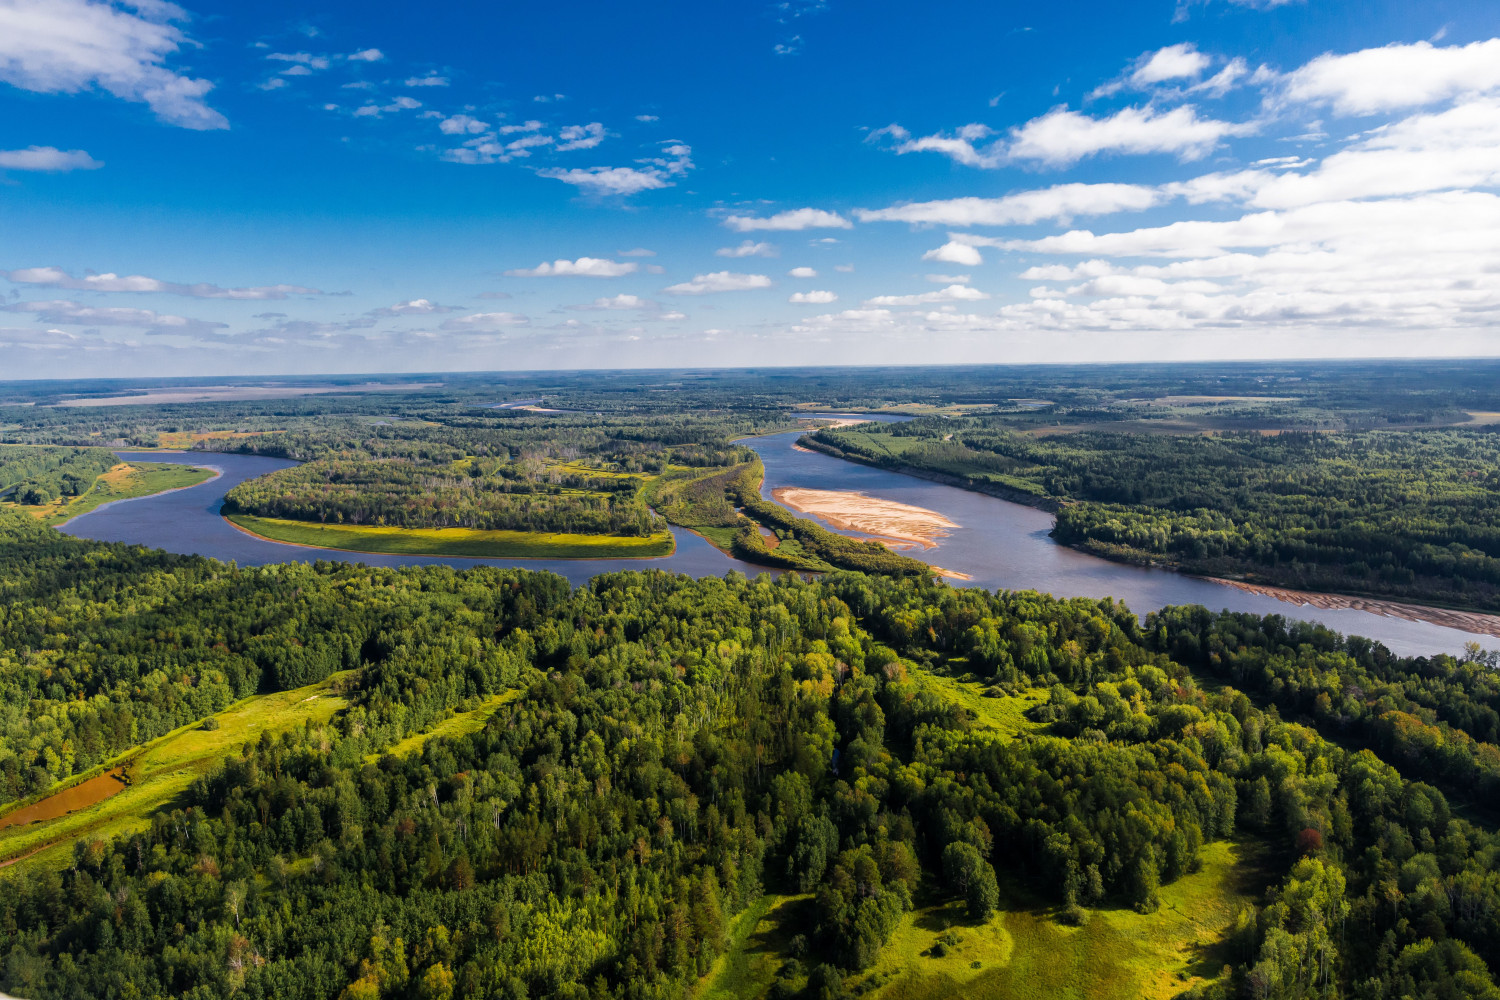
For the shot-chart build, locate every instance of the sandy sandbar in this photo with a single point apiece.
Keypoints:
(861, 512)
(1466, 621)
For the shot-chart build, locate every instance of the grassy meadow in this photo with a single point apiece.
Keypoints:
(163, 769)
(456, 541)
(1022, 953)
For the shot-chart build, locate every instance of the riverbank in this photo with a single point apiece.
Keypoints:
(1467, 621)
(807, 443)
(460, 542)
(125, 481)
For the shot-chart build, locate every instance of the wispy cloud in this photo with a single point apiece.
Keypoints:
(748, 248)
(791, 220)
(583, 267)
(56, 277)
(1063, 137)
(952, 293)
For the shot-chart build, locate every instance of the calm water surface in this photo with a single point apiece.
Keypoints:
(188, 521)
(1000, 544)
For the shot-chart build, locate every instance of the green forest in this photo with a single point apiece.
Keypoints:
(475, 494)
(36, 476)
(677, 751)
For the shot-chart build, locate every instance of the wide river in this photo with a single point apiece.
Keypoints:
(997, 543)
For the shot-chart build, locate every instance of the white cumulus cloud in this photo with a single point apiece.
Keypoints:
(719, 281)
(1063, 137)
(1061, 201)
(1397, 76)
(47, 159)
(67, 46)
(485, 322)
(56, 277)
(952, 293)
(954, 252)
(1174, 62)
(818, 298)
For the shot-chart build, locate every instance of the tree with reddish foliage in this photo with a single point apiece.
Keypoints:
(1309, 841)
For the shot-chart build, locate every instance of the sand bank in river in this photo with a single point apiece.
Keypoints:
(873, 515)
(1466, 621)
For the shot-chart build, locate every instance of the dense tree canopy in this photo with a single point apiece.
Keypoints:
(679, 747)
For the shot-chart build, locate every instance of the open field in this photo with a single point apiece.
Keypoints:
(874, 515)
(164, 768)
(455, 541)
(1022, 952)
(184, 440)
(460, 724)
(123, 482)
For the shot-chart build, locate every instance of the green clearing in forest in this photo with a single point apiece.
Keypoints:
(467, 542)
(756, 948)
(1119, 953)
(1004, 714)
(1021, 953)
(461, 724)
(163, 769)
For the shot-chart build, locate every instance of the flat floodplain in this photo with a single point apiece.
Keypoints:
(455, 541)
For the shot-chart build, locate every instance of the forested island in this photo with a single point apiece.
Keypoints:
(332, 780)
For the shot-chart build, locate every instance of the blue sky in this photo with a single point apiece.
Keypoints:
(220, 188)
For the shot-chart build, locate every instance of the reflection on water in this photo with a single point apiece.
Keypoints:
(999, 544)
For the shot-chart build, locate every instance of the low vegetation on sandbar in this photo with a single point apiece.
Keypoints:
(456, 542)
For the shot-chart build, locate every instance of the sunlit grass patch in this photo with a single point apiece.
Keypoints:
(1004, 714)
(756, 949)
(460, 724)
(1118, 955)
(468, 542)
(183, 440)
(163, 769)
